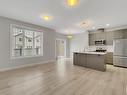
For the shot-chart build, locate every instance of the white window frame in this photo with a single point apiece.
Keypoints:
(27, 28)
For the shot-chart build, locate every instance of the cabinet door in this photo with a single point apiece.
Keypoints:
(101, 35)
(109, 57)
(118, 34)
(91, 39)
(79, 59)
(96, 36)
(82, 59)
(75, 58)
(109, 37)
(125, 33)
(96, 62)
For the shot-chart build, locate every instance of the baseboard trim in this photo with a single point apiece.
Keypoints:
(26, 65)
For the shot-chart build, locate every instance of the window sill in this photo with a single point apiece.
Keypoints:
(24, 57)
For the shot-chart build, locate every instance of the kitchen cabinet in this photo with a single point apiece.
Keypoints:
(90, 60)
(96, 62)
(92, 38)
(109, 36)
(75, 60)
(101, 35)
(124, 33)
(79, 59)
(96, 36)
(118, 34)
(109, 58)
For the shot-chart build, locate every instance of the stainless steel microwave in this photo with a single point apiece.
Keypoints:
(100, 42)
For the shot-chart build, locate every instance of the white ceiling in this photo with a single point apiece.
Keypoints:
(99, 12)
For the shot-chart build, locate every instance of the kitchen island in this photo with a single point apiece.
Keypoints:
(93, 60)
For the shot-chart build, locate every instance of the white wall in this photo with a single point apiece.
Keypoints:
(48, 50)
(79, 42)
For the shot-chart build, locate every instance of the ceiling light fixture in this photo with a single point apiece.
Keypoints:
(69, 36)
(107, 24)
(72, 3)
(46, 17)
(86, 24)
(93, 27)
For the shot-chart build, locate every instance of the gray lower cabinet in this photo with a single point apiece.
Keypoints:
(93, 61)
(79, 59)
(109, 58)
(96, 62)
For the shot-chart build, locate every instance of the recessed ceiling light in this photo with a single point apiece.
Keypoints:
(72, 3)
(93, 27)
(107, 24)
(46, 17)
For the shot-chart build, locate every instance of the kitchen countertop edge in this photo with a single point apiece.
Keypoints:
(96, 53)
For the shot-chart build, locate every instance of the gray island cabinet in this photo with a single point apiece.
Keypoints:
(93, 60)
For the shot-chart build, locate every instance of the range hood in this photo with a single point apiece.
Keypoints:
(101, 29)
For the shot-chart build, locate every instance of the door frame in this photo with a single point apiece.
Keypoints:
(64, 45)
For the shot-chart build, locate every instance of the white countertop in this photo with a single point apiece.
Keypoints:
(98, 53)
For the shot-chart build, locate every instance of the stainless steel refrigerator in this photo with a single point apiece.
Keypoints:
(120, 52)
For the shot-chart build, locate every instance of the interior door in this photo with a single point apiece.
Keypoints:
(60, 48)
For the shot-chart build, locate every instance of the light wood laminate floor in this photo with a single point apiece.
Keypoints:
(62, 78)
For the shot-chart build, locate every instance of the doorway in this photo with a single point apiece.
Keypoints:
(60, 50)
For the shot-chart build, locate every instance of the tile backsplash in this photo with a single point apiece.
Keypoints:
(109, 48)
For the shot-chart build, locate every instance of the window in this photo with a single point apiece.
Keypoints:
(26, 42)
